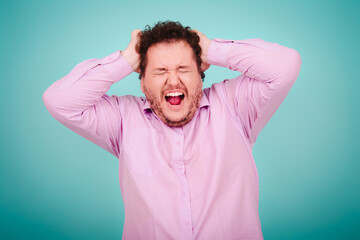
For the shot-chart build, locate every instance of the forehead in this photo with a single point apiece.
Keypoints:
(170, 55)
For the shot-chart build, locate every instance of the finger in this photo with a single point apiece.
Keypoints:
(135, 34)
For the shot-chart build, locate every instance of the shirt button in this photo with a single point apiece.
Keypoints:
(186, 223)
(184, 193)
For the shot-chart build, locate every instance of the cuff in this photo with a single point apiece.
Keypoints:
(116, 65)
(217, 52)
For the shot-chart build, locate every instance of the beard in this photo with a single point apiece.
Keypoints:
(194, 103)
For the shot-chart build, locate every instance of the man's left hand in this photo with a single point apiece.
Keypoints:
(204, 44)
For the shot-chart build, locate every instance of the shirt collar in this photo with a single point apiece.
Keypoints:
(204, 102)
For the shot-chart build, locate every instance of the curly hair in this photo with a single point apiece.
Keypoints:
(168, 32)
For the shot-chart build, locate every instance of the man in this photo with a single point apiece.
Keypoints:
(185, 154)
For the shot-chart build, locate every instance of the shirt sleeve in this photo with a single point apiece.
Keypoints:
(79, 100)
(269, 71)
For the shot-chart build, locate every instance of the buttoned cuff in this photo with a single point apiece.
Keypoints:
(217, 52)
(116, 65)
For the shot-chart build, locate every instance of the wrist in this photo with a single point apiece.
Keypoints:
(205, 49)
(129, 58)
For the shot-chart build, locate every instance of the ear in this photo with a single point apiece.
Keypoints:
(142, 84)
(204, 66)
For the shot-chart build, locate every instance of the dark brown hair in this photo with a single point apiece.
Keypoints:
(167, 32)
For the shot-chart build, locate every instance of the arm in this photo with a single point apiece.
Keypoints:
(79, 100)
(269, 71)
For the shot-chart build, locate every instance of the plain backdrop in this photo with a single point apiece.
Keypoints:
(55, 184)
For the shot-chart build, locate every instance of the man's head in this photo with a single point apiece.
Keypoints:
(170, 71)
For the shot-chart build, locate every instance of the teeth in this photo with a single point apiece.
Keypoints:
(174, 94)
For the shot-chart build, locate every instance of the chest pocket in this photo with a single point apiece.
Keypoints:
(142, 151)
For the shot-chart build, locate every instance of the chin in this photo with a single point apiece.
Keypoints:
(178, 121)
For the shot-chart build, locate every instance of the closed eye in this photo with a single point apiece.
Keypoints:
(183, 69)
(159, 73)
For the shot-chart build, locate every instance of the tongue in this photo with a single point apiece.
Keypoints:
(174, 100)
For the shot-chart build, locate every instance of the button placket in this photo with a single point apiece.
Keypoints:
(179, 167)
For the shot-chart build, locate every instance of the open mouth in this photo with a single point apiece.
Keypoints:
(174, 98)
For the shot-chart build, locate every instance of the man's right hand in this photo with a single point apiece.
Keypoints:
(130, 54)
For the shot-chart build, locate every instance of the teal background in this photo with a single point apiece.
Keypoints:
(55, 184)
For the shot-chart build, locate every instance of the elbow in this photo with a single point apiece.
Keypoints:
(292, 64)
(295, 58)
(288, 70)
(59, 106)
(47, 99)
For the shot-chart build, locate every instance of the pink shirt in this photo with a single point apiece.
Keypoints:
(193, 182)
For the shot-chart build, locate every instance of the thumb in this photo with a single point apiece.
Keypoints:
(135, 35)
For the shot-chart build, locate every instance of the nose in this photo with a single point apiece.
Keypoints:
(173, 78)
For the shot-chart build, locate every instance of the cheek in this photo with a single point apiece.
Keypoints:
(192, 83)
(153, 87)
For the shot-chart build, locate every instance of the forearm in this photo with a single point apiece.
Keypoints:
(84, 85)
(256, 59)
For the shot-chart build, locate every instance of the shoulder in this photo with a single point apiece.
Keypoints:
(127, 102)
(224, 96)
(225, 90)
(131, 99)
